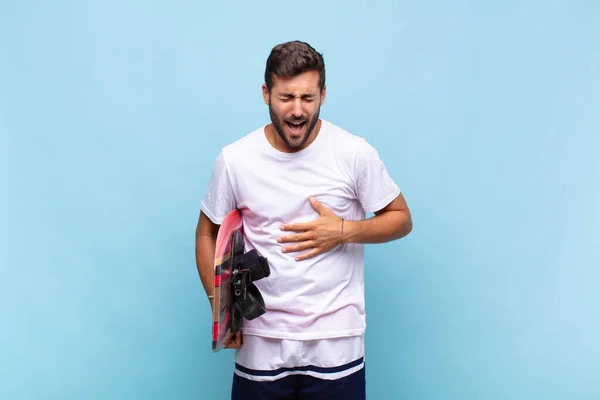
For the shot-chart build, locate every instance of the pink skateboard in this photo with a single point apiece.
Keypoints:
(223, 270)
(235, 296)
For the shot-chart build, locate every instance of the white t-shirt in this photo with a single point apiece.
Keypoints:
(323, 296)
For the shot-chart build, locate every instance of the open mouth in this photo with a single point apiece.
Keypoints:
(295, 127)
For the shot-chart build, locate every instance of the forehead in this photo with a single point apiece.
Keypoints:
(303, 83)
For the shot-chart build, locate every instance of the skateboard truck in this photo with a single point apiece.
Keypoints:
(246, 300)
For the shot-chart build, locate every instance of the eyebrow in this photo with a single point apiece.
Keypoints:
(291, 95)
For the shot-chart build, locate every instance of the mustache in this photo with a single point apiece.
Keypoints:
(299, 119)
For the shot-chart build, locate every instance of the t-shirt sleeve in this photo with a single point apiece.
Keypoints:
(219, 198)
(374, 186)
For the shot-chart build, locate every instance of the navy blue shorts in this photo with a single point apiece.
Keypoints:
(301, 387)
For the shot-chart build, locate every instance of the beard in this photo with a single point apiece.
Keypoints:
(293, 143)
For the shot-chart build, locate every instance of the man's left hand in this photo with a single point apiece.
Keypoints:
(320, 235)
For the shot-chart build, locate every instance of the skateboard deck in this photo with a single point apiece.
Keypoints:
(231, 228)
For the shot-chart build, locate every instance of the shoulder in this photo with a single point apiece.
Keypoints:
(249, 142)
(346, 143)
(339, 133)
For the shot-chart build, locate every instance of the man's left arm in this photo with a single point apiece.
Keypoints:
(329, 231)
(390, 223)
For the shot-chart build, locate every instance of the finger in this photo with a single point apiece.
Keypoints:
(309, 244)
(235, 342)
(230, 344)
(319, 207)
(233, 345)
(308, 255)
(298, 237)
(297, 227)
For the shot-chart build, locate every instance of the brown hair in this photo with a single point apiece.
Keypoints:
(294, 58)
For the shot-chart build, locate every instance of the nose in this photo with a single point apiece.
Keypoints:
(297, 108)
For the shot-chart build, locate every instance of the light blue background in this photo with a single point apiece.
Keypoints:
(486, 113)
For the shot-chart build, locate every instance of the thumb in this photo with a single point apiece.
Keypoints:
(320, 208)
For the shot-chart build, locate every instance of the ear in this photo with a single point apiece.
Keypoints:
(323, 93)
(265, 92)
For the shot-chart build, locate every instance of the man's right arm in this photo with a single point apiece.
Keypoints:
(206, 239)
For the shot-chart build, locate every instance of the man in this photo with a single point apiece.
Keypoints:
(303, 186)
